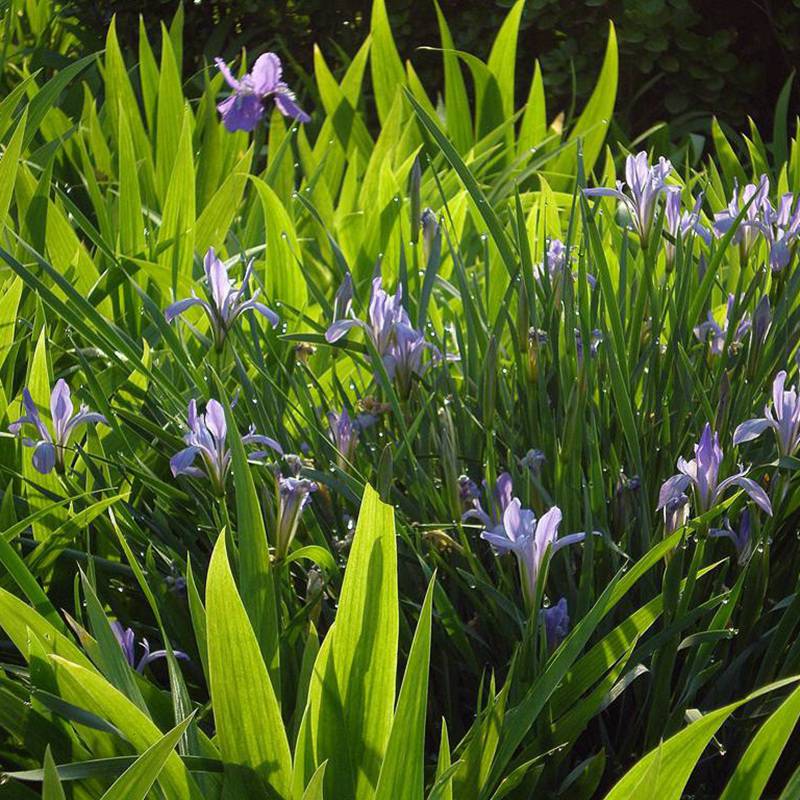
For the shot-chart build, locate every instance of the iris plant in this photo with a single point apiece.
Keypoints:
(783, 418)
(702, 474)
(225, 302)
(245, 108)
(207, 438)
(49, 448)
(127, 641)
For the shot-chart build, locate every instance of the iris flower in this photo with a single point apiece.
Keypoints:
(225, 302)
(49, 448)
(127, 641)
(295, 495)
(207, 438)
(741, 538)
(716, 333)
(783, 418)
(752, 225)
(702, 474)
(497, 501)
(644, 184)
(681, 223)
(246, 107)
(529, 540)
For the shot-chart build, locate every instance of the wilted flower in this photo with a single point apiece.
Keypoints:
(127, 641)
(740, 538)
(344, 434)
(556, 623)
(676, 513)
(645, 184)
(702, 473)
(497, 502)
(533, 460)
(753, 222)
(783, 418)
(529, 540)
(716, 333)
(295, 495)
(762, 319)
(207, 438)
(225, 303)
(245, 108)
(48, 449)
(681, 223)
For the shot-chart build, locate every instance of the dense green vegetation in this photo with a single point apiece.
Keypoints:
(339, 460)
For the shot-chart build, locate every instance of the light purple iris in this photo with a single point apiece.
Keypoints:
(49, 448)
(644, 183)
(497, 501)
(429, 223)
(556, 263)
(295, 495)
(207, 438)
(344, 434)
(681, 223)
(398, 343)
(783, 418)
(226, 303)
(702, 474)
(781, 229)
(741, 538)
(676, 513)
(757, 212)
(529, 540)
(556, 623)
(127, 641)
(246, 107)
(343, 301)
(716, 333)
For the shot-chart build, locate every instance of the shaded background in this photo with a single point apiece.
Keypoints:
(680, 60)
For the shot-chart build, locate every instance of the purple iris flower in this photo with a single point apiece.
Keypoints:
(246, 107)
(676, 513)
(716, 333)
(741, 538)
(530, 540)
(49, 448)
(702, 473)
(226, 303)
(556, 623)
(430, 227)
(681, 223)
(295, 495)
(781, 229)
(644, 183)
(399, 344)
(596, 339)
(127, 641)
(753, 223)
(556, 263)
(783, 418)
(207, 438)
(344, 434)
(497, 501)
(762, 319)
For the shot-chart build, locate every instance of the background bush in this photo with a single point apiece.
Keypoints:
(679, 59)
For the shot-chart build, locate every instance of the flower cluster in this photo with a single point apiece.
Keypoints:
(399, 344)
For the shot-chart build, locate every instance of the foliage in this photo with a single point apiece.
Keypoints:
(324, 616)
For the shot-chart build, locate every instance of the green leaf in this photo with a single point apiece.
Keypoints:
(533, 129)
(137, 780)
(387, 68)
(131, 228)
(592, 125)
(250, 731)
(169, 114)
(52, 788)
(665, 771)
(762, 754)
(456, 101)
(8, 171)
(87, 689)
(402, 776)
(503, 56)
